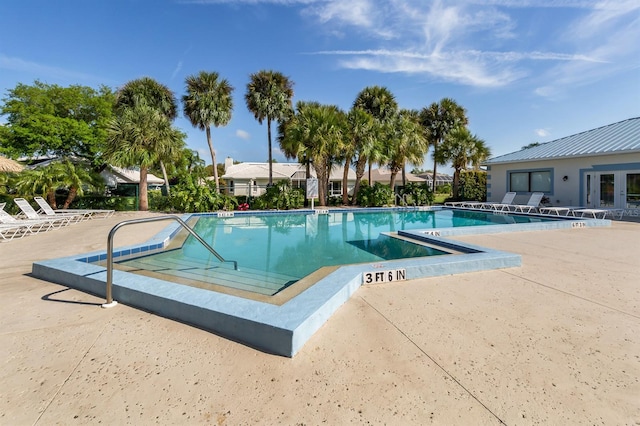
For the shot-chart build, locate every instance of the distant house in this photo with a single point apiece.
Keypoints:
(383, 175)
(117, 176)
(596, 168)
(252, 178)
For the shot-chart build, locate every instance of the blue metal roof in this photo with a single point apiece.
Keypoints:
(616, 138)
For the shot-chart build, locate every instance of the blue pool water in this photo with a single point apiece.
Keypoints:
(288, 247)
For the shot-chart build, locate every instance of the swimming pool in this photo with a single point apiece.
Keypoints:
(282, 327)
(273, 252)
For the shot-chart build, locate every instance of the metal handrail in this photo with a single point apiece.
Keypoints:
(109, 297)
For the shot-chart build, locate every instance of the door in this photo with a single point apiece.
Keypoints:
(619, 189)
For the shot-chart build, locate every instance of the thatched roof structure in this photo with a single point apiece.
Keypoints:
(8, 165)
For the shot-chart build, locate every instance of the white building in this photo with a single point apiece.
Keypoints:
(599, 168)
(252, 178)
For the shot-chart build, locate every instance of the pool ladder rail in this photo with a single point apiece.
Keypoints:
(109, 295)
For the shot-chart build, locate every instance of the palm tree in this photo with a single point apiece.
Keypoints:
(136, 137)
(461, 148)
(42, 180)
(208, 101)
(359, 142)
(408, 143)
(154, 94)
(439, 119)
(74, 177)
(381, 104)
(315, 131)
(136, 103)
(268, 97)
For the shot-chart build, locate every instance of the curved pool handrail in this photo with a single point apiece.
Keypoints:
(109, 297)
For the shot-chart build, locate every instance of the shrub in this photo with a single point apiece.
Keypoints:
(377, 195)
(280, 196)
(472, 186)
(418, 194)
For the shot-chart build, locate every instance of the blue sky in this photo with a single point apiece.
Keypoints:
(525, 70)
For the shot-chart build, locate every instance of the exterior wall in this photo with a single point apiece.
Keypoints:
(257, 187)
(569, 192)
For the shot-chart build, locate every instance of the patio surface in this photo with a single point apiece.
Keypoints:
(556, 341)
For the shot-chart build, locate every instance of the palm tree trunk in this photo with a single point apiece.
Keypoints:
(404, 176)
(361, 164)
(435, 164)
(51, 199)
(345, 180)
(165, 177)
(213, 159)
(73, 191)
(392, 181)
(144, 199)
(270, 159)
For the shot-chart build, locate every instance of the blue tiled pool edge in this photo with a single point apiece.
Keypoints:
(284, 329)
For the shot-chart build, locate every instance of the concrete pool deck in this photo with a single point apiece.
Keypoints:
(554, 341)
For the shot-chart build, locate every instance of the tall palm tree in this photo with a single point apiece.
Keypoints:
(153, 93)
(135, 103)
(461, 148)
(358, 143)
(439, 119)
(381, 104)
(315, 131)
(408, 143)
(269, 97)
(136, 137)
(208, 101)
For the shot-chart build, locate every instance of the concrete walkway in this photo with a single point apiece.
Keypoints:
(554, 342)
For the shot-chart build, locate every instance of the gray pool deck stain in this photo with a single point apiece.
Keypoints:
(550, 342)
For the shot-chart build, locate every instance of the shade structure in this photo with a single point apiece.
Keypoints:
(8, 165)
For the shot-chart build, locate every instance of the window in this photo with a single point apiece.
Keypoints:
(534, 181)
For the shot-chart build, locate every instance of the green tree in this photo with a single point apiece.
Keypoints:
(138, 136)
(462, 149)
(439, 119)
(381, 104)
(407, 143)
(141, 134)
(315, 131)
(269, 97)
(208, 101)
(45, 119)
(358, 143)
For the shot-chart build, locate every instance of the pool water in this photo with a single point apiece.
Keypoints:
(273, 251)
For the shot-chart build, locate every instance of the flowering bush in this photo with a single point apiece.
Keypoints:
(243, 206)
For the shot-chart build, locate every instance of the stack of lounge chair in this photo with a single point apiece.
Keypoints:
(30, 221)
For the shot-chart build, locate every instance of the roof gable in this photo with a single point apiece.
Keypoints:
(616, 138)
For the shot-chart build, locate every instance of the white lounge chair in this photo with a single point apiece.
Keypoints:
(31, 214)
(532, 204)
(27, 226)
(46, 209)
(488, 205)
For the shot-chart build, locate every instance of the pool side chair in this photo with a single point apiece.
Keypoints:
(27, 225)
(46, 209)
(30, 213)
(503, 205)
(531, 206)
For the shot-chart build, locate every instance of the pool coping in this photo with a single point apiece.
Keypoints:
(280, 329)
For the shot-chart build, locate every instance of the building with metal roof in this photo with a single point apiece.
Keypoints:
(598, 168)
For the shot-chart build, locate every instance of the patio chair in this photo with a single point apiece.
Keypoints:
(488, 205)
(24, 225)
(532, 204)
(46, 209)
(30, 213)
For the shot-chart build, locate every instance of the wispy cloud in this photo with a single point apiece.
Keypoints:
(39, 70)
(177, 69)
(480, 43)
(243, 134)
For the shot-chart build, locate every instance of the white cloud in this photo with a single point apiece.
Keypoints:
(242, 134)
(543, 133)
